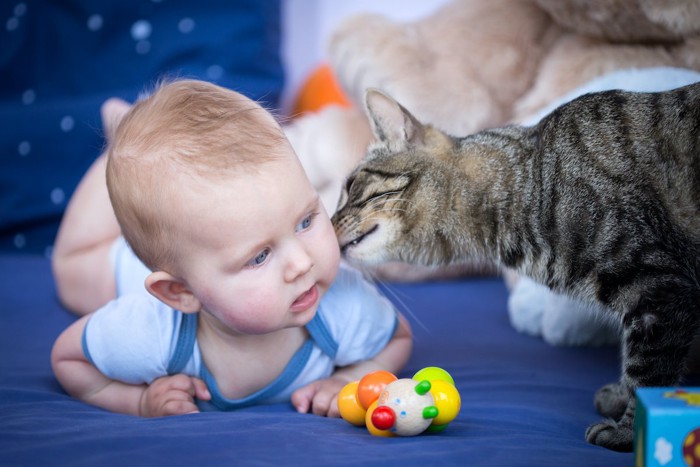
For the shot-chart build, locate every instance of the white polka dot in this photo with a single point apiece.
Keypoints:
(12, 24)
(186, 25)
(215, 72)
(57, 196)
(140, 30)
(20, 9)
(24, 148)
(67, 123)
(94, 22)
(20, 241)
(28, 96)
(143, 47)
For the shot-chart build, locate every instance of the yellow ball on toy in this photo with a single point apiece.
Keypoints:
(447, 400)
(349, 405)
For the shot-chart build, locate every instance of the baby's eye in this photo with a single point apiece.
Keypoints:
(259, 258)
(305, 223)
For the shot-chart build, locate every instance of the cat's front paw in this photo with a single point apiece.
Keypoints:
(611, 400)
(611, 435)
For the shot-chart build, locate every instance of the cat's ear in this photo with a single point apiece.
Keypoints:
(391, 123)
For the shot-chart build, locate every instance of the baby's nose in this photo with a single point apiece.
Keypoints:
(299, 263)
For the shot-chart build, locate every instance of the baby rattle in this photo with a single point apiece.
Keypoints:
(389, 406)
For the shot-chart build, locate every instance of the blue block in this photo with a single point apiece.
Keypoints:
(667, 427)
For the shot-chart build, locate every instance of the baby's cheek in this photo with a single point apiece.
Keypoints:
(253, 312)
(330, 257)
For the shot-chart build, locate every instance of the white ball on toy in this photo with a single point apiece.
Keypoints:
(408, 407)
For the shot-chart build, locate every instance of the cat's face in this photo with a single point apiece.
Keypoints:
(387, 201)
(373, 211)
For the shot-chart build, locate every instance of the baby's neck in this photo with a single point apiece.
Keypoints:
(243, 363)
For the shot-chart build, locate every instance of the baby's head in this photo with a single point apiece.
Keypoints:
(185, 135)
(210, 195)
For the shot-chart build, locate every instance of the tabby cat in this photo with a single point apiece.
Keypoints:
(598, 201)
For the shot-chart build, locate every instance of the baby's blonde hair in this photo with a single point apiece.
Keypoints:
(185, 128)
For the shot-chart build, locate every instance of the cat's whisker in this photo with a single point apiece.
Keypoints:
(376, 213)
(374, 201)
(395, 202)
(376, 198)
(398, 299)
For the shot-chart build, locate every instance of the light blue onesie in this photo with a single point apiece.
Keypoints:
(136, 338)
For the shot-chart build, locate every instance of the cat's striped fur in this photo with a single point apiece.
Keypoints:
(599, 201)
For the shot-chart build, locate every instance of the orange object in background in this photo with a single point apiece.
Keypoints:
(319, 90)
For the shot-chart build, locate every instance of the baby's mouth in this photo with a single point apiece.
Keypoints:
(306, 300)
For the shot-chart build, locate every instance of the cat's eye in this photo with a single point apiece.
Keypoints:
(259, 259)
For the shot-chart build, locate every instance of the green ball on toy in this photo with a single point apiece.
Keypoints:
(432, 373)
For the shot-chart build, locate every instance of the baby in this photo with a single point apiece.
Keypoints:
(228, 283)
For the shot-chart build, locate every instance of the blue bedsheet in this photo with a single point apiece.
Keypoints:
(524, 403)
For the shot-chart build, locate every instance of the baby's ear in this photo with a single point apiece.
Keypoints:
(172, 291)
(392, 124)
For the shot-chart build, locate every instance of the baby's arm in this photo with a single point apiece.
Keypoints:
(168, 395)
(321, 396)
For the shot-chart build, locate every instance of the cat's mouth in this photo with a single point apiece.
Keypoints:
(344, 247)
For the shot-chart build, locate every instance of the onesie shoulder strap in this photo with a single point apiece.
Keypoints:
(185, 343)
(321, 335)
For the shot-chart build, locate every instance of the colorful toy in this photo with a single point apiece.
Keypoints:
(389, 406)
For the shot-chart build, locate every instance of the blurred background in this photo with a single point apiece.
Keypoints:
(60, 60)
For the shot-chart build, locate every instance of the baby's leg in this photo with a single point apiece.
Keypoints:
(81, 265)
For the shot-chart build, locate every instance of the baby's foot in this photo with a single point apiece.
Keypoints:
(112, 111)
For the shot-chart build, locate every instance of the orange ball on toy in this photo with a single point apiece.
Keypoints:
(319, 90)
(371, 385)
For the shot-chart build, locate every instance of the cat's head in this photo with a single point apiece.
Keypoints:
(393, 202)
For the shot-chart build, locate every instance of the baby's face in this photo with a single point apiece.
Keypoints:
(261, 250)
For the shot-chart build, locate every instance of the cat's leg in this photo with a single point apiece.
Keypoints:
(657, 336)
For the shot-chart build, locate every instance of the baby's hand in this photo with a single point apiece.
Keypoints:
(320, 396)
(173, 395)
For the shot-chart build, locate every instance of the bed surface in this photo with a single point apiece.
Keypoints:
(523, 402)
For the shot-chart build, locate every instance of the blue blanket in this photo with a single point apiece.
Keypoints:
(524, 403)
